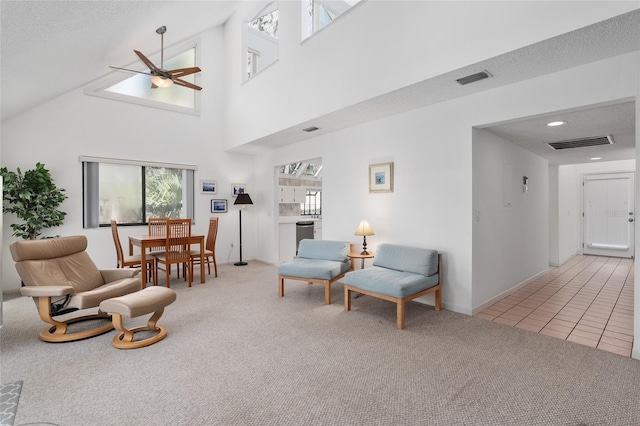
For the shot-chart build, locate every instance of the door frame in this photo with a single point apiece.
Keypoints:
(632, 233)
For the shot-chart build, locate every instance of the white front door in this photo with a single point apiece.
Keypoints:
(609, 215)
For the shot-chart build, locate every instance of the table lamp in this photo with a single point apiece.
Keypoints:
(242, 200)
(363, 230)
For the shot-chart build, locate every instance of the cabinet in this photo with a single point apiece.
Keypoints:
(292, 194)
(287, 241)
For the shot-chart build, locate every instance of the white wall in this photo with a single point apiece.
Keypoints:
(356, 59)
(510, 226)
(57, 132)
(432, 151)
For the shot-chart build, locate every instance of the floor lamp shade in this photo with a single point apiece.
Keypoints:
(241, 200)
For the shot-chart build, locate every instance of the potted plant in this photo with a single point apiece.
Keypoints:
(34, 198)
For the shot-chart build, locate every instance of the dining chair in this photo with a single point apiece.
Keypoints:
(209, 248)
(177, 248)
(134, 261)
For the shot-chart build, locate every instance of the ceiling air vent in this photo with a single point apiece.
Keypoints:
(311, 129)
(474, 77)
(582, 142)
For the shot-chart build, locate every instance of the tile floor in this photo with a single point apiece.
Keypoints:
(588, 300)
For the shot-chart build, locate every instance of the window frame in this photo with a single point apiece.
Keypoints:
(115, 77)
(91, 193)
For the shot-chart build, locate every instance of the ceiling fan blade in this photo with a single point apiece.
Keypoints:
(181, 72)
(147, 62)
(186, 84)
(128, 70)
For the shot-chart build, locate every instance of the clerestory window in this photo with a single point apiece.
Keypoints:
(137, 88)
(262, 40)
(317, 14)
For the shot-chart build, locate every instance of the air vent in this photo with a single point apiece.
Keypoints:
(311, 129)
(474, 77)
(580, 143)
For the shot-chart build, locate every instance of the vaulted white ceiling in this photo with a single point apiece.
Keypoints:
(52, 47)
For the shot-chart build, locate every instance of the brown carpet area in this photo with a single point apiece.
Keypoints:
(237, 354)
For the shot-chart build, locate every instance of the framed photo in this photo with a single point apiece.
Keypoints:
(209, 187)
(238, 188)
(381, 177)
(218, 206)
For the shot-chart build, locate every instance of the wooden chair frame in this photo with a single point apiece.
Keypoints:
(326, 283)
(122, 261)
(57, 333)
(400, 302)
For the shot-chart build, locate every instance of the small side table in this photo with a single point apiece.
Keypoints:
(362, 257)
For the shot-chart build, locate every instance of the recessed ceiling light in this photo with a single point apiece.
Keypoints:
(556, 123)
(595, 158)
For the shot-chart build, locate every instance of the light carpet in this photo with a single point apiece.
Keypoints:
(237, 354)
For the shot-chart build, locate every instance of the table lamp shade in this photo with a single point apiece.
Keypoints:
(364, 229)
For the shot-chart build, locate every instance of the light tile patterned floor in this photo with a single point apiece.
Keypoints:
(588, 300)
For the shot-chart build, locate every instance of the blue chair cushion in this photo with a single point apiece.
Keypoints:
(389, 282)
(324, 250)
(313, 268)
(407, 259)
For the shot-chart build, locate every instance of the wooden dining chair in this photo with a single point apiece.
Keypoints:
(210, 248)
(177, 251)
(134, 261)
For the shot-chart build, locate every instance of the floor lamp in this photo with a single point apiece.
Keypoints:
(242, 200)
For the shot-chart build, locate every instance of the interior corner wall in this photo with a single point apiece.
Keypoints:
(510, 220)
(554, 256)
(635, 352)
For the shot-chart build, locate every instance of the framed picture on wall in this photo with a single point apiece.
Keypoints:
(238, 188)
(381, 177)
(218, 206)
(209, 187)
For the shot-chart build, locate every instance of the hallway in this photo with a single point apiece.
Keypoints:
(588, 300)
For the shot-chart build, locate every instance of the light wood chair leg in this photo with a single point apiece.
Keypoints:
(438, 300)
(347, 299)
(327, 293)
(400, 315)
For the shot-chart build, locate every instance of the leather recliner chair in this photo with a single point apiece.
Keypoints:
(61, 277)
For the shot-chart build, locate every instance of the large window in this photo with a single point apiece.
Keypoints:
(131, 192)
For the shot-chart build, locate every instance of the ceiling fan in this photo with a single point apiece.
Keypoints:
(159, 76)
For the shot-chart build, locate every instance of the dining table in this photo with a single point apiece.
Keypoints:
(146, 242)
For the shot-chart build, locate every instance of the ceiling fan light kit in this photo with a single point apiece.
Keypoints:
(159, 76)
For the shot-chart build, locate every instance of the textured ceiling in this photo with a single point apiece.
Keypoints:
(51, 47)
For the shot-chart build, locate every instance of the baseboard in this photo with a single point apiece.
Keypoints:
(506, 293)
(562, 262)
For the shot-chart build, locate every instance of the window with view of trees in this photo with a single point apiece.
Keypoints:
(132, 193)
(262, 40)
(320, 13)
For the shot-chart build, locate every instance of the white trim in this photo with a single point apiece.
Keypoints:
(506, 293)
(122, 161)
